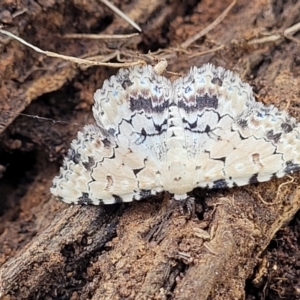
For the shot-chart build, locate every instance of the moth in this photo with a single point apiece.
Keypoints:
(204, 129)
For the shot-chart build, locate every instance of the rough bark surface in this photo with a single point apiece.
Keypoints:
(242, 243)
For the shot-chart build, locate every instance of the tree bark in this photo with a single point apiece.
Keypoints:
(146, 249)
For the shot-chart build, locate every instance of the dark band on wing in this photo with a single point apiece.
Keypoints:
(201, 102)
(146, 104)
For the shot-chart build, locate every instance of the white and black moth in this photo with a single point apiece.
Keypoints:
(152, 135)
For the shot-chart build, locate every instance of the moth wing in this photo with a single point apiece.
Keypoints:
(96, 171)
(119, 160)
(231, 139)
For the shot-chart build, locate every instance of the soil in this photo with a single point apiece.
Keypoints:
(242, 243)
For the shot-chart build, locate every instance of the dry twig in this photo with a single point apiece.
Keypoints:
(273, 37)
(211, 26)
(71, 58)
(99, 36)
(122, 15)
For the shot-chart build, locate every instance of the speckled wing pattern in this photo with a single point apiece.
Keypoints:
(152, 135)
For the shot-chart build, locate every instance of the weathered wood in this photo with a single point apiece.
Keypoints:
(142, 250)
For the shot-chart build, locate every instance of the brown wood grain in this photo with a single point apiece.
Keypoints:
(147, 249)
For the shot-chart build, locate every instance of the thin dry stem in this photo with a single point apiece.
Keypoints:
(207, 51)
(287, 33)
(203, 32)
(266, 39)
(18, 13)
(99, 36)
(71, 58)
(291, 30)
(121, 14)
(276, 201)
(50, 120)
